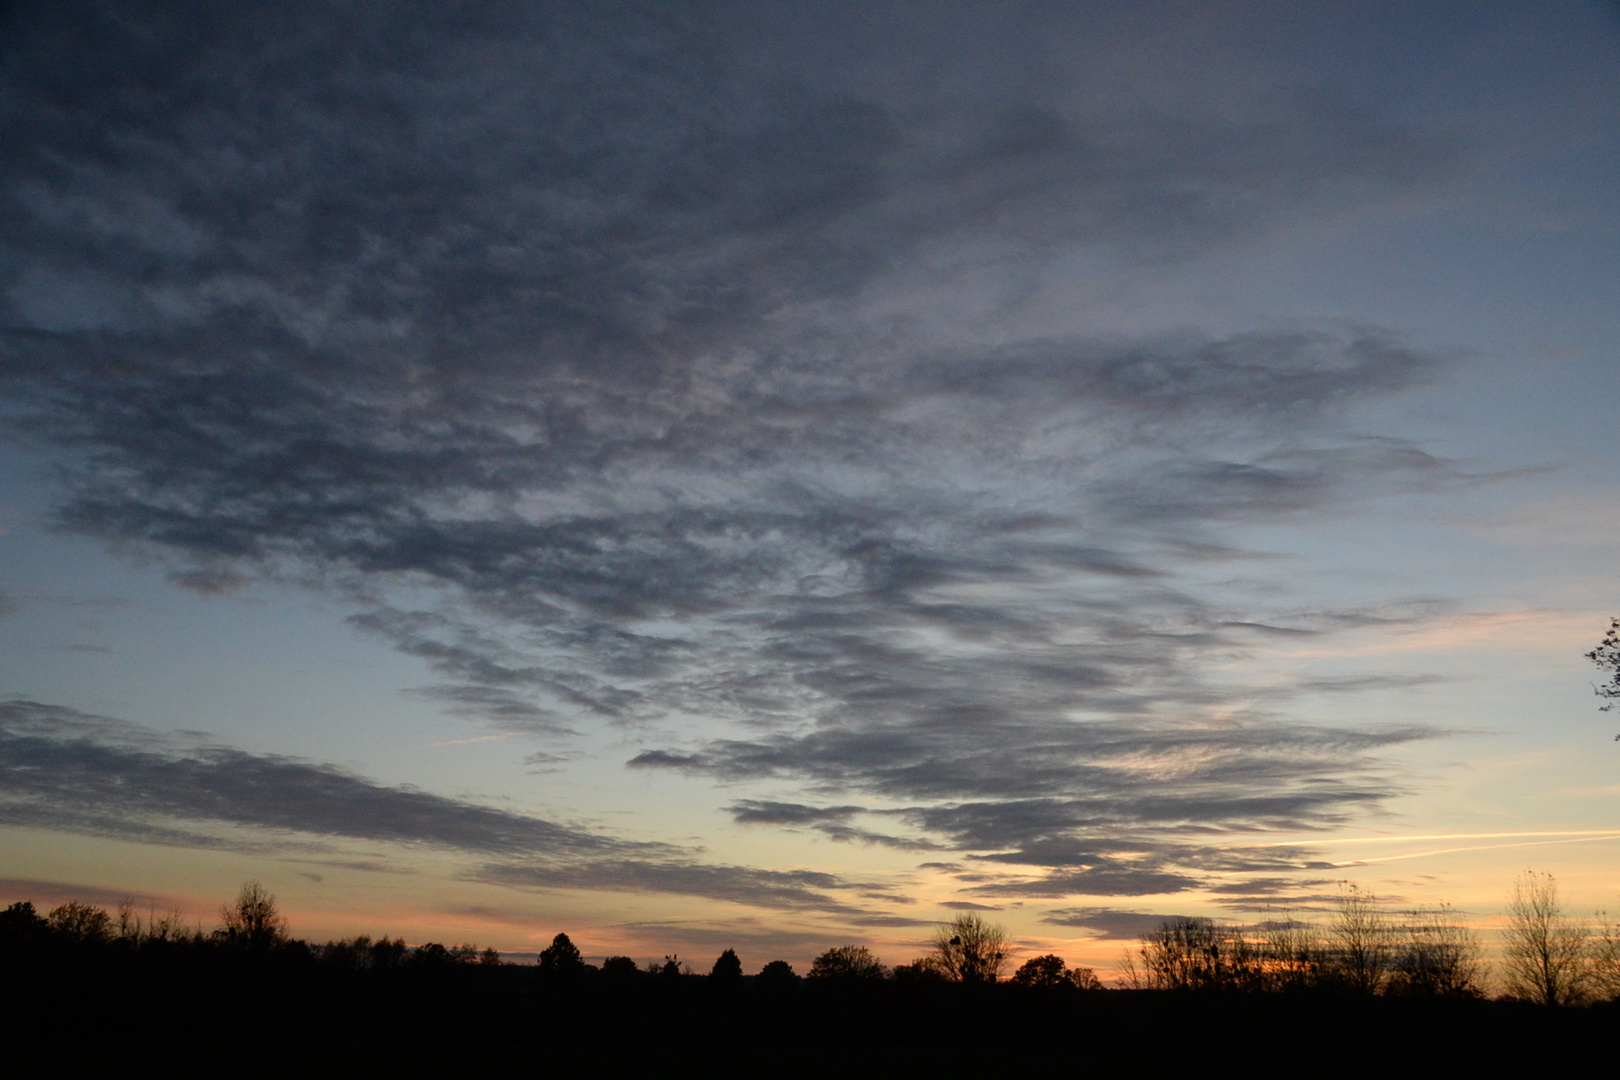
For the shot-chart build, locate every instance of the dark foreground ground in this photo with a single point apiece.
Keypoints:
(222, 1013)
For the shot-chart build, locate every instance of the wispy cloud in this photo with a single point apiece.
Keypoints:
(579, 329)
(68, 771)
(1105, 922)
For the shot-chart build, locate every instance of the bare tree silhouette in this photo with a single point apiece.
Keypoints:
(1362, 941)
(1437, 956)
(971, 949)
(253, 921)
(1607, 658)
(1196, 954)
(1605, 958)
(1295, 954)
(1544, 951)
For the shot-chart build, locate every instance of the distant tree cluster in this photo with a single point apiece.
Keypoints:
(968, 950)
(1548, 957)
(1363, 950)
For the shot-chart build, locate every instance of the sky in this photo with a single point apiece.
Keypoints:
(776, 476)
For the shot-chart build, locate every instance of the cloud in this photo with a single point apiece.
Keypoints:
(756, 811)
(1062, 792)
(61, 766)
(1110, 924)
(622, 376)
(68, 771)
(1105, 879)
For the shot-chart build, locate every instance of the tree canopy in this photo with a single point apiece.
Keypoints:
(561, 957)
(847, 962)
(253, 921)
(727, 968)
(971, 949)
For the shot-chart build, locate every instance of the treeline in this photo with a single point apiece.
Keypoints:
(1364, 948)
(1548, 957)
(967, 950)
(82, 980)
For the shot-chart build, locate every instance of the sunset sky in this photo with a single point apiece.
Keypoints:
(778, 475)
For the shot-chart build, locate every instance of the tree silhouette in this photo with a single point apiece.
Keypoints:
(620, 971)
(561, 959)
(1083, 978)
(924, 969)
(1544, 951)
(971, 949)
(1186, 953)
(253, 921)
(1607, 658)
(81, 923)
(1605, 958)
(1362, 941)
(1047, 971)
(727, 969)
(21, 927)
(847, 962)
(1438, 956)
(1295, 954)
(776, 977)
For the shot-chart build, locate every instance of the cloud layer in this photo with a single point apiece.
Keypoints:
(65, 770)
(601, 365)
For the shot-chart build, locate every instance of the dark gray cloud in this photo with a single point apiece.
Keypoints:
(1106, 878)
(830, 821)
(1064, 793)
(69, 771)
(1106, 922)
(760, 811)
(595, 356)
(61, 766)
